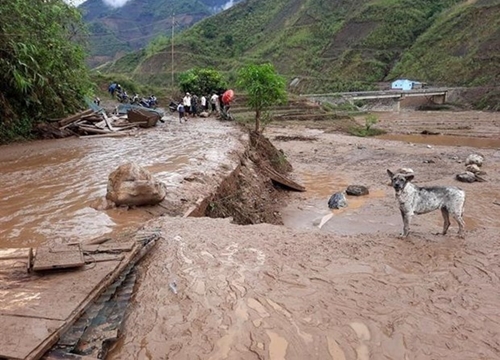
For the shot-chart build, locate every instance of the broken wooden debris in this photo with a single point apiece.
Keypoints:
(282, 180)
(91, 122)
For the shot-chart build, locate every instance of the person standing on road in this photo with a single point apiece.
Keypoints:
(194, 105)
(203, 102)
(180, 109)
(214, 100)
(186, 101)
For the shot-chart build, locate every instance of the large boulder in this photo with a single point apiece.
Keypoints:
(133, 185)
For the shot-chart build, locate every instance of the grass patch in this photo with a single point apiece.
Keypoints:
(368, 129)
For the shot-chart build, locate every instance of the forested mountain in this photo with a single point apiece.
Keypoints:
(117, 30)
(339, 44)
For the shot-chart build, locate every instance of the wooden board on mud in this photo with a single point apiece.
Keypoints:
(58, 257)
(277, 177)
(36, 309)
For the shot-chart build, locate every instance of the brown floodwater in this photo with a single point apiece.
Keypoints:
(49, 188)
(447, 140)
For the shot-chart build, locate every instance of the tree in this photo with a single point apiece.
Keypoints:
(42, 66)
(201, 81)
(264, 88)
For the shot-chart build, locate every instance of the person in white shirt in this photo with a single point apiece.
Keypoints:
(203, 102)
(187, 103)
(214, 100)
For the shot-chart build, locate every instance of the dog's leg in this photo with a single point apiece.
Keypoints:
(406, 224)
(446, 218)
(461, 225)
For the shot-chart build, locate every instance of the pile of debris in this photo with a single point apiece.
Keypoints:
(95, 122)
(92, 122)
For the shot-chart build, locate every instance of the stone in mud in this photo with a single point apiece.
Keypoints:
(467, 177)
(474, 159)
(133, 185)
(473, 168)
(337, 201)
(357, 190)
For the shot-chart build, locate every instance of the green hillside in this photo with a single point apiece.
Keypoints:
(339, 44)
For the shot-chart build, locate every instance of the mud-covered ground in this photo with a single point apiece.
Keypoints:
(350, 290)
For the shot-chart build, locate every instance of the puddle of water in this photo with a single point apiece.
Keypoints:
(318, 185)
(447, 140)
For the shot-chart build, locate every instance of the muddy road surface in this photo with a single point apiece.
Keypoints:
(350, 290)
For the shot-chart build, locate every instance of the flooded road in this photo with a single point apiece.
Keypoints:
(49, 190)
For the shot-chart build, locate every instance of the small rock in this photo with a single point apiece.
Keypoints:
(337, 201)
(467, 177)
(429, 161)
(474, 159)
(473, 168)
(357, 190)
(429, 147)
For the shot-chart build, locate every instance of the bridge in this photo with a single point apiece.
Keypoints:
(435, 95)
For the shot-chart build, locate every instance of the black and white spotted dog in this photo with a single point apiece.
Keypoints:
(413, 199)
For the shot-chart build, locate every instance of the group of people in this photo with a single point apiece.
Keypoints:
(192, 105)
(121, 95)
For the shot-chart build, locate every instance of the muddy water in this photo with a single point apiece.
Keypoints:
(346, 221)
(448, 140)
(49, 189)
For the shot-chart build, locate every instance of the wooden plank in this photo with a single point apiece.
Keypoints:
(275, 176)
(72, 118)
(111, 247)
(10, 254)
(101, 257)
(117, 134)
(21, 335)
(107, 121)
(58, 257)
(93, 130)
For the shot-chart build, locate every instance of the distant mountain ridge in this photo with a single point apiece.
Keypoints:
(115, 31)
(340, 45)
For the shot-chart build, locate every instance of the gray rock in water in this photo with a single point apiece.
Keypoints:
(337, 201)
(357, 190)
(467, 177)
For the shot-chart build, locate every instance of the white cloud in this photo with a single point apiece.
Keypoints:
(115, 3)
(74, 2)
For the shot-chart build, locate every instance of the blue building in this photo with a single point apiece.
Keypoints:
(405, 84)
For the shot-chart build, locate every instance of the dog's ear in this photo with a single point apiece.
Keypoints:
(409, 177)
(389, 172)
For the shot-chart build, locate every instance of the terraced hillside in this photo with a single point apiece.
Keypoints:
(336, 45)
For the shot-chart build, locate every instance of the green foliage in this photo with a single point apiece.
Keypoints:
(158, 44)
(201, 81)
(264, 87)
(368, 129)
(42, 69)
